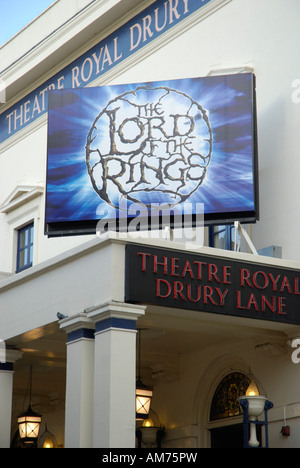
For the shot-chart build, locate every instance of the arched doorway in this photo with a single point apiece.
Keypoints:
(225, 412)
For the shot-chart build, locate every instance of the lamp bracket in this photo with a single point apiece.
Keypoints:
(237, 244)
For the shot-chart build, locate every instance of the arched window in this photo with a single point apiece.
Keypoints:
(224, 403)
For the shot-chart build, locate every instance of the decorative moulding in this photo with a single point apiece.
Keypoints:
(19, 196)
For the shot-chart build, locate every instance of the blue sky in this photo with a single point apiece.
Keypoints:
(15, 14)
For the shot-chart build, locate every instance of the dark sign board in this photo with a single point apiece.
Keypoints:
(182, 280)
(187, 146)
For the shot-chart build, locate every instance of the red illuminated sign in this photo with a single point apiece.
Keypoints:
(207, 284)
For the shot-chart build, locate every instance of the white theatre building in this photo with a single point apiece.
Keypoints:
(207, 310)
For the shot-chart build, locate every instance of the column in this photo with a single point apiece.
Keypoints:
(6, 388)
(79, 381)
(115, 374)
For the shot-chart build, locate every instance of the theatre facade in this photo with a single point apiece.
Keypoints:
(149, 224)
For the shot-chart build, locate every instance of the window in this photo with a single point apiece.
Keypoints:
(25, 248)
(224, 402)
(222, 237)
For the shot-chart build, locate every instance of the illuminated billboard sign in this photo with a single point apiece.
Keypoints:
(180, 145)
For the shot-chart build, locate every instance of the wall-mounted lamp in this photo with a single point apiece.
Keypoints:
(47, 439)
(151, 432)
(143, 394)
(29, 422)
(254, 403)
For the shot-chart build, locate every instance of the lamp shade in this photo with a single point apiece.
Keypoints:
(256, 405)
(143, 396)
(29, 426)
(255, 387)
(149, 434)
